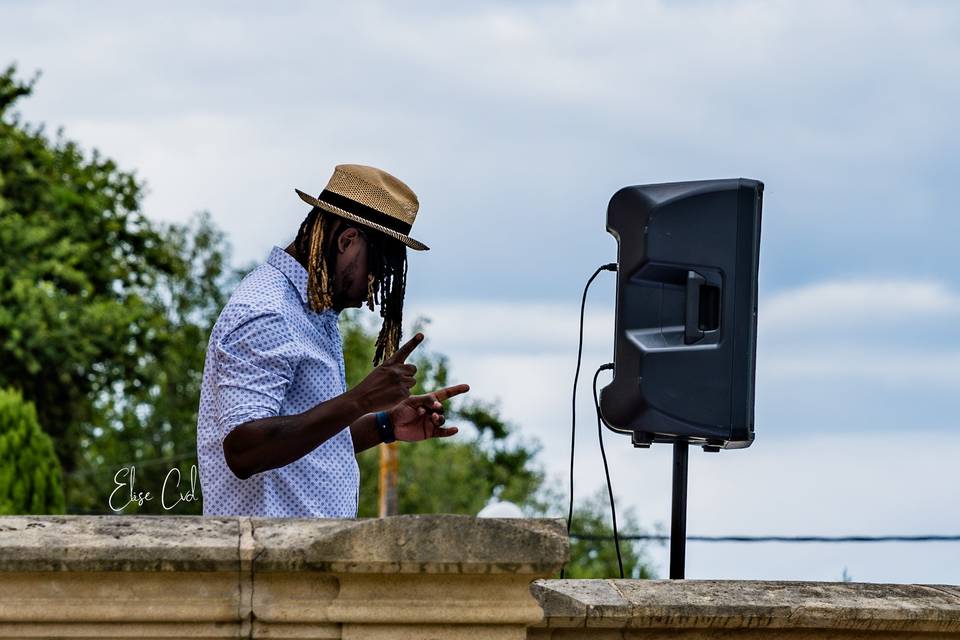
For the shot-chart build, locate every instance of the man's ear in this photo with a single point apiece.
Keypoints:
(348, 237)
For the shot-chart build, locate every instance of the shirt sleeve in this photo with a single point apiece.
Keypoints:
(256, 360)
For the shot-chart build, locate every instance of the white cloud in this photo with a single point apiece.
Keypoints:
(547, 108)
(504, 327)
(885, 332)
(853, 304)
(869, 363)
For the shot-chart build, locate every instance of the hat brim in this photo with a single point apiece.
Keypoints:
(326, 206)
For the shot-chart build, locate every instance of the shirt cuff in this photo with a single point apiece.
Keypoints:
(241, 414)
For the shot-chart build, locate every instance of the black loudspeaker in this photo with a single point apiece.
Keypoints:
(686, 319)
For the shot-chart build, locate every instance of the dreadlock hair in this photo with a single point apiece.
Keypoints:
(386, 272)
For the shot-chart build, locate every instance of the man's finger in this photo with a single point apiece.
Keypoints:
(406, 349)
(427, 401)
(449, 392)
(444, 432)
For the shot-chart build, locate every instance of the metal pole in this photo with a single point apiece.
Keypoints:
(389, 468)
(678, 517)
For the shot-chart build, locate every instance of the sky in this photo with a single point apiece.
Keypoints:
(515, 123)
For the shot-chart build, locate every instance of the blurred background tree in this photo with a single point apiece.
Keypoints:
(593, 553)
(103, 313)
(30, 475)
(104, 321)
(455, 475)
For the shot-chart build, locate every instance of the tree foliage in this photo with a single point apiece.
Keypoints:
(454, 475)
(30, 481)
(103, 313)
(594, 555)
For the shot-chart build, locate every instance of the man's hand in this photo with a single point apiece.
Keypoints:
(421, 417)
(391, 382)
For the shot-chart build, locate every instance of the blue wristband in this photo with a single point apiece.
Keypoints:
(384, 428)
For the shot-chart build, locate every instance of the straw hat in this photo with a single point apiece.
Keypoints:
(370, 197)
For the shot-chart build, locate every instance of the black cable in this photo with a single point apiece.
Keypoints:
(606, 469)
(823, 539)
(612, 266)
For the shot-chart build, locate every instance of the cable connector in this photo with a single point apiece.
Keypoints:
(611, 266)
(606, 367)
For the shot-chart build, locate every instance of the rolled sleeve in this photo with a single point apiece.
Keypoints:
(256, 361)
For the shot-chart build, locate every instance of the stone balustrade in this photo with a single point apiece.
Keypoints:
(191, 577)
(728, 609)
(441, 576)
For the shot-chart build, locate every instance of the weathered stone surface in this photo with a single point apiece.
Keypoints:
(119, 596)
(401, 544)
(730, 605)
(179, 577)
(412, 544)
(577, 600)
(118, 543)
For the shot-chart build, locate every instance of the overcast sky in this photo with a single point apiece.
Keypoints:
(515, 123)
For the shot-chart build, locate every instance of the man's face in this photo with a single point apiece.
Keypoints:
(350, 279)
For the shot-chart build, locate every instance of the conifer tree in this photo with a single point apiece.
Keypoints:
(30, 474)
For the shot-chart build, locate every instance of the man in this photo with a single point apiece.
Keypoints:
(278, 432)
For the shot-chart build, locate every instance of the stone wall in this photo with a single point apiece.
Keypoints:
(702, 609)
(191, 577)
(400, 577)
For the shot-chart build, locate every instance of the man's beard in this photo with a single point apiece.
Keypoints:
(340, 299)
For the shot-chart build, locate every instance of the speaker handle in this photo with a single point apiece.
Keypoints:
(692, 331)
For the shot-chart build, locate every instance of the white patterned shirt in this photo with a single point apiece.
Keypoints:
(269, 354)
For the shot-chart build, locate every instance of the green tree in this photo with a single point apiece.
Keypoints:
(29, 471)
(103, 313)
(593, 553)
(152, 424)
(454, 475)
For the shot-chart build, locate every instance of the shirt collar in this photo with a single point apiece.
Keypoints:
(296, 274)
(293, 270)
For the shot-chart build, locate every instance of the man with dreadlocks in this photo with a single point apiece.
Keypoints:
(277, 431)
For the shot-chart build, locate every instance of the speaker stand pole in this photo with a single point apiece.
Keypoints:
(678, 516)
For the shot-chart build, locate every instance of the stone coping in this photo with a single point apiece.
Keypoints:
(400, 544)
(728, 605)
